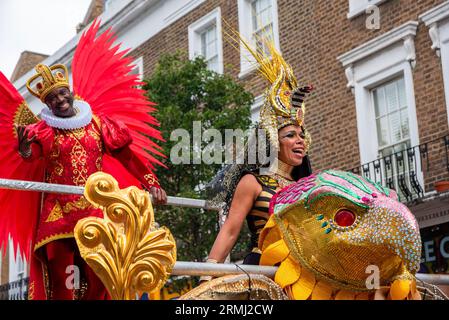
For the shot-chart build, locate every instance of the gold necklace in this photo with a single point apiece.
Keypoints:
(282, 182)
(284, 170)
(283, 174)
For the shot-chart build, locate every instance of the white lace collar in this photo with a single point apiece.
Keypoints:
(81, 119)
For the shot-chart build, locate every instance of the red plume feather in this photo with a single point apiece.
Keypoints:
(101, 77)
(19, 209)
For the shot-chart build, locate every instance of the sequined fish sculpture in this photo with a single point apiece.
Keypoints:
(336, 235)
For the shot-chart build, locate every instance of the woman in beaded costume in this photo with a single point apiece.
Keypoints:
(246, 189)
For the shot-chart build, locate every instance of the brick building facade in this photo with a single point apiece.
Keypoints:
(312, 36)
(350, 57)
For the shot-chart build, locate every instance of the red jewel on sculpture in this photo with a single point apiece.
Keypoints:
(344, 218)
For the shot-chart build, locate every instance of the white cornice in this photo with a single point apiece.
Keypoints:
(432, 19)
(258, 102)
(256, 106)
(128, 13)
(436, 14)
(401, 33)
(182, 11)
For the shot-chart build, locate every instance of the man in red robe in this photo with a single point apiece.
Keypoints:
(72, 141)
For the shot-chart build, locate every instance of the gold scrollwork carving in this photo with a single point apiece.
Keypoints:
(125, 249)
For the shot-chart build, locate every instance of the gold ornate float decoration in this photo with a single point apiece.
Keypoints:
(237, 287)
(126, 250)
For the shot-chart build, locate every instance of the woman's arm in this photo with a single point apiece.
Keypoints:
(245, 194)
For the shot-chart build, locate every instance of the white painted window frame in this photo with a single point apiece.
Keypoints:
(255, 108)
(107, 4)
(195, 29)
(387, 114)
(247, 62)
(366, 123)
(358, 7)
(138, 64)
(437, 20)
(372, 64)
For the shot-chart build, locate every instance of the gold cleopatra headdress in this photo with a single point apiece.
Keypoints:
(284, 99)
(51, 78)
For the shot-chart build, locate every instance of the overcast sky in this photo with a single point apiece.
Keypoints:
(41, 26)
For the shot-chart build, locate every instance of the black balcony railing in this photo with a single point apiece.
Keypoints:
(15, 290)
(446, 146)
(407, 171)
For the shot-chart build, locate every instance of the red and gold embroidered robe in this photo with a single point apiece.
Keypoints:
(71, 156)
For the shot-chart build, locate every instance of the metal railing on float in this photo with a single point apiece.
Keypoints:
(181, 268)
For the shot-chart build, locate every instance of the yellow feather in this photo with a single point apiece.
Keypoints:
(275, 253)
(267, 238)
(399, 289)
(302, 289)
(414, 293)
(322, 291)
(270, 223)
(288, 273)
(269, 234)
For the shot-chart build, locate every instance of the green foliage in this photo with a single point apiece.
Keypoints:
(186, 91)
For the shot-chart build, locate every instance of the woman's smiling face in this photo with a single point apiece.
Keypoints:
(291, 145)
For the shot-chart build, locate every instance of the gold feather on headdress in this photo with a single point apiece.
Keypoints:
(284, 103)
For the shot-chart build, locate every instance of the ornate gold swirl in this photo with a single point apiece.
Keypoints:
(125, 249)
(275, 89)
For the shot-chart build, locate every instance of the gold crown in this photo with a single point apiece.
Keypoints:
(52, 77)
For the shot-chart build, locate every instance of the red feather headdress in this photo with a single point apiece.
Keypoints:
(101, 77)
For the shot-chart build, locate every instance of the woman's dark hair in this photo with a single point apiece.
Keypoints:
(303, 170)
